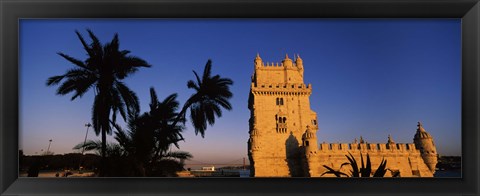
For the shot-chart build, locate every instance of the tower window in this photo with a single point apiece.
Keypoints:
(281, 125)
(314, 122)
(279, 101)
(306, 143)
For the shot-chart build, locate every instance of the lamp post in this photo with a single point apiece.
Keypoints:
(48, 149)
(88, 125)
(80, 168)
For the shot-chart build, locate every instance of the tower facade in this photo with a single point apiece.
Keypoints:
(279, 104)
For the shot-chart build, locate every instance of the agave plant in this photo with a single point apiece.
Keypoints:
(364, 171)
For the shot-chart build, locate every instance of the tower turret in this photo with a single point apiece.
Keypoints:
(299, 62)
(424, 142)
(258, 61)
(287, 62)
(390, 142)
(310, 141)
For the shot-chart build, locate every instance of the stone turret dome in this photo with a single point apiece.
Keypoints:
(309, 133)
(390, 140)
(421, 133)
(258, 61)
(258, 57)
(298, 59)
(287, 62)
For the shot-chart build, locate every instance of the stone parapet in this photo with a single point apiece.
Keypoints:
(283, 89)
(380, 147)
(274, 66)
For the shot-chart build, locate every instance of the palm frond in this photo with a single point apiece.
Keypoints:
(191, 84)
(153, 99)
(96, 45)
(84, 43)
(381, 169)
(54, 80)
(89, 145)
(199, 82)
(129, 97)
(179, 155)
(368, 167)
(73, 60)
(353, 163)
(207, 71)
(334, 172)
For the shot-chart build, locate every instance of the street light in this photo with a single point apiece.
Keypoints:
(88, 125)
(48, 149)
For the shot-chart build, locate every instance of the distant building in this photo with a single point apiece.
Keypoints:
(283, 128)
(212, 168)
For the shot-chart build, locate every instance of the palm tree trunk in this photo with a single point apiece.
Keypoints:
(104, 152)
(182, 113)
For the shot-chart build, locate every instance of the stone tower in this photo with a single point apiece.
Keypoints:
(279, 104)
(424, 142)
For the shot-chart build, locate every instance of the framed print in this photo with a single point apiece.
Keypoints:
(224, 97)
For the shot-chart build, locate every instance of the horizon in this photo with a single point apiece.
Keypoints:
(370, 77)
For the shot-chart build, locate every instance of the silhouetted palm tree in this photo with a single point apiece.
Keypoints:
(103, 70)
(164, 114)
(212, 92)
(150, 135)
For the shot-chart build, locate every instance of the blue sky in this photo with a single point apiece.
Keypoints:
(370, 77)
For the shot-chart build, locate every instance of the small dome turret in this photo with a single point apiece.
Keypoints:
(309, 133)
(424, 143)
(421, 133)
(390, 140)
(258, 61)
(287, 62)
(310, 140)
(299, 62)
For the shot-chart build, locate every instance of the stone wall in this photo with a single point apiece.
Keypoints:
(404, 158)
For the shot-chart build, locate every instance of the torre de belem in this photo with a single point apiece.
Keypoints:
(283, 141)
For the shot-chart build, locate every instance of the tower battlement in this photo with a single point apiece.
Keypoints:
(281, 89)
(275, 66)
(367, 147)
(287, 72)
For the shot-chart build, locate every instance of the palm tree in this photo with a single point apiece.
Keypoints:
(164, 115)
(103, 70)
(212, 92)
(150, 135)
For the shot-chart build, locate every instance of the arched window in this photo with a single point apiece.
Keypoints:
(306, 143)
(281, 125)
(279, 101)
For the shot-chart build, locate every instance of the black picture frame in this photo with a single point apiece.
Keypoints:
(11, 11)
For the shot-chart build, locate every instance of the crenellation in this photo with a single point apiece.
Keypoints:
(344, 147)
(372, 147)
(380, 147)
(324, 147)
